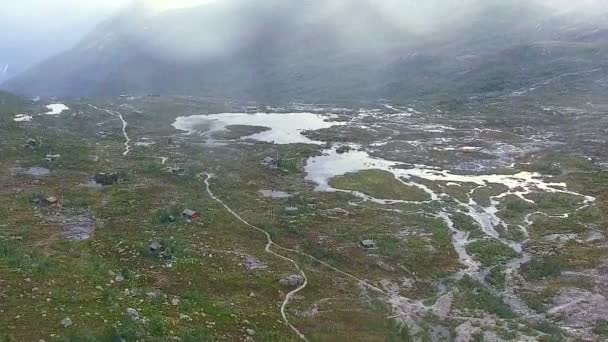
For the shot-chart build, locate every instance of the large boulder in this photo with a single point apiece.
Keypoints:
(294, 280)
(106, 179)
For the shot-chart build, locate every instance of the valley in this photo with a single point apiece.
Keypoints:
(372, 221)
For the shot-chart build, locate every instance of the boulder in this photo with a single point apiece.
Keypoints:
(252, 264)
(132, 314)
(67, 322)
(155, 247)
(294, 280)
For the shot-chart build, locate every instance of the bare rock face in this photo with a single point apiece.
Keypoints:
(466, 331)
(443, 306)
(579, 309)
(294, 280)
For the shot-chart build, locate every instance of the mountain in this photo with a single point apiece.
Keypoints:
(329, 50)
(9, 103)
(3, 71)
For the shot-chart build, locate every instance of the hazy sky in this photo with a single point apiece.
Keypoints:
(32, 30)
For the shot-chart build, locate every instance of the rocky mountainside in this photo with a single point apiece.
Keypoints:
(329, 50)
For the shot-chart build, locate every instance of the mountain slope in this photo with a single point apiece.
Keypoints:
(313, 50)
(9, 103)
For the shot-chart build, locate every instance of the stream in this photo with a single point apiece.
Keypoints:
(287, 128)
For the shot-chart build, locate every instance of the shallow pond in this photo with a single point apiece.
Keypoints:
(284, 128)
(274, 194)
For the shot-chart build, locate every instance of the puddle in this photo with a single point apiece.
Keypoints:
(274, 194)
(92, 184)
(322, 169)
(284, 128)
(144, 143)
(32, 171)
(79, 228)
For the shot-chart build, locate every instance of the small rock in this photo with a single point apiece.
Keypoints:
(67, 322)
(175, 301)
(132, 314)
(153, 294)
(155, 247)
(250, 332)
(343, 149)
(119, 278)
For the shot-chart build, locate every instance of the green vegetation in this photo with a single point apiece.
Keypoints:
(555, 201)
(167, 216)
(491, 252)
(541, 268)
(197, 288)
(239, 131)
(514, 209)
(601, 328)
(544, 226)
(578, 256)
(464, 222)
(554, 332)
(379, 184)
(496, 277)
(475, 296)
(482, 195)
(540, 301)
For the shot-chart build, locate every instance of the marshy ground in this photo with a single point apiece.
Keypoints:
(487, 224)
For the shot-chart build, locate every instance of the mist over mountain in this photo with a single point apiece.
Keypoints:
(327, 50)
(33, 30)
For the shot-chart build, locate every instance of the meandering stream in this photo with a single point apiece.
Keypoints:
(320, 170)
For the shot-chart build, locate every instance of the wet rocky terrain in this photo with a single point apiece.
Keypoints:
(483, 220)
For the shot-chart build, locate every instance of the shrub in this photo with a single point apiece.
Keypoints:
(541, 268)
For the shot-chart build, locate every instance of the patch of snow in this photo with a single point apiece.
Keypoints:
(22, 118)
(144, 143)
(56, 109)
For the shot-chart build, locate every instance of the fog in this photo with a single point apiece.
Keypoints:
(222, 26)
(32, 30)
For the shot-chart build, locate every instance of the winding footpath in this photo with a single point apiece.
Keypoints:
(406, 305)
(268, 249)
(124, 127)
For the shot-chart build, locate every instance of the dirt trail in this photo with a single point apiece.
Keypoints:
(269, 244)
(404, 306)
(124, 127)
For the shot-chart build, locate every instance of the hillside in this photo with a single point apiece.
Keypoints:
(9, 103)
(347, 51)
